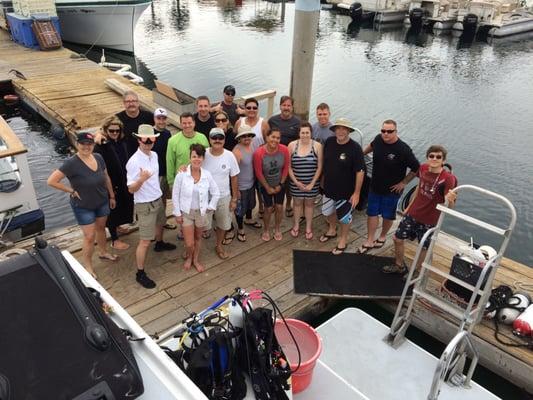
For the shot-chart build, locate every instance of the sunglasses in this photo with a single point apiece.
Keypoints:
(147, 140)
(221, 120)
(389, 131)
(251, 107)
(217, 138)
(435, 156)
(229, 93)
(113, 130)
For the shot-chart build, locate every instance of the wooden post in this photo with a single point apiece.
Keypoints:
(307, 13)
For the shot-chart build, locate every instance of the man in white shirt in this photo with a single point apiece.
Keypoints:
(143, 181)
(224, 168)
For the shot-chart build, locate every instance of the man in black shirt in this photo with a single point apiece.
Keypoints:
(343, 174)
(203, 120)
(132, 116)
(392, 158)
(227, 105)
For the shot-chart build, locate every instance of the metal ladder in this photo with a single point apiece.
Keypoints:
(453, 359)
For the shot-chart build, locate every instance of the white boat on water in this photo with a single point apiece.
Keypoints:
(438, 14)
(380, 11)
(495, 18)
(20, 214)
(109, 24)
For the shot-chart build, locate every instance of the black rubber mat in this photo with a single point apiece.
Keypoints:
(347, 275)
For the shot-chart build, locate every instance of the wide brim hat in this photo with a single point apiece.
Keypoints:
(244, 130)
(145, 131)
(342, 122)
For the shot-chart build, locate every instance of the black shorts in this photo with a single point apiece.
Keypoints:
(411, 229)
(270, 199)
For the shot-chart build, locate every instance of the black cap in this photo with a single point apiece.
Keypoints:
(85, 137)
(229, 89)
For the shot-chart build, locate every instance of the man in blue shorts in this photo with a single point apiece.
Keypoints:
(392, 157)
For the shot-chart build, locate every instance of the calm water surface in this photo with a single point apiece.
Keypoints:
(475, 98)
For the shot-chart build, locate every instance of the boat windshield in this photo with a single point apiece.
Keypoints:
(9, 173)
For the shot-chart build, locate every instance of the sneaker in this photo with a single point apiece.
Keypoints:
(144, 280)
(164, 246)
(394, 269)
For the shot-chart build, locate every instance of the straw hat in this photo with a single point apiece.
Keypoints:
(244, 130)
(145, 131)
(342, 122)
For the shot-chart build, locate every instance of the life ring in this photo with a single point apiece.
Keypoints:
(11, 99)
(11, 253)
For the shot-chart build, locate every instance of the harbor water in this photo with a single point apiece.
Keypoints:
(473, 97)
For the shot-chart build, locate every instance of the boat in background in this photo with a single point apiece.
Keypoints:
(20, 213)
(108, 24)
(379, 11)
(494, 18)
(437, 14)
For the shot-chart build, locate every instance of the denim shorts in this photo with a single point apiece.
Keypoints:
(384, 205)
(87, 216)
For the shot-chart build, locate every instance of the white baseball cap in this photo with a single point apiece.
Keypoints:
(160, 112)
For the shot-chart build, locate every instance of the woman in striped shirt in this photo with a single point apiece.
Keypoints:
(305, 168)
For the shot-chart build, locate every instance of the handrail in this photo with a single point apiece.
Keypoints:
(268, 94)
(447, 357)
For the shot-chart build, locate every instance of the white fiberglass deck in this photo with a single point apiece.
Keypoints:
(353, 349)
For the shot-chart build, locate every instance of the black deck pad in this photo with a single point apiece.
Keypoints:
(347, 275)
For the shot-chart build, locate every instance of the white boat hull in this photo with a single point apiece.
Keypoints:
(104, 25)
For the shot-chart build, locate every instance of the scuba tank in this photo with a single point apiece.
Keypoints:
(517, 304)
(523, 325)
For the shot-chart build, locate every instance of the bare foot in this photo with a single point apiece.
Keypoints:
(199, 267)
(120, 245)
(187, 264)
(265, 236)
(93, 274)
(278, 236)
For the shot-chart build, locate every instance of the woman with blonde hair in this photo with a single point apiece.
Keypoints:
(114, 151)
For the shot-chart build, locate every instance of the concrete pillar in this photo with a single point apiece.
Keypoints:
(307, 13)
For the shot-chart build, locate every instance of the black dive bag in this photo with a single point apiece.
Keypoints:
(56, 342)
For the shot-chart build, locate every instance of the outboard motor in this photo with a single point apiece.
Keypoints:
(356, 12)
(415, 16)
(470, 23)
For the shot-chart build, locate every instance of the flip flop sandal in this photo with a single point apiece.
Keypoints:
(170, 226)
(364, 249)
(241, 237)
(309, 235)
(338, 250)
(221, 254)
(228, 239)
(288, 212)
(265, 237)
(378, 244)
(294, 232)
(206, 234)
(278, 236)
(109, 257)
(255, 224)
(325, 237)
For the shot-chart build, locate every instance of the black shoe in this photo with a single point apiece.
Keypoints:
(144, 281)
(164, 246)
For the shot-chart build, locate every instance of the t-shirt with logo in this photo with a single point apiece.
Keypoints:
(222, 167)
(272, 167)
(341, 163)
(289, 128)
(390, 163)
(432, 188)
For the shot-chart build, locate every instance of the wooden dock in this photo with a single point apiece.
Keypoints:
(71, 91)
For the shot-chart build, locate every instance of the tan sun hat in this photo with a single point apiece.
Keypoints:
(244, 130)
(342, 122)
(145, 131)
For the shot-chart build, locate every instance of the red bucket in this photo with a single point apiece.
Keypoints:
(310, 345)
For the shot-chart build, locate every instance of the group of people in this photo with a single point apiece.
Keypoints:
(224, 162)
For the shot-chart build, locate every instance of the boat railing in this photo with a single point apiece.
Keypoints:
(451, 364)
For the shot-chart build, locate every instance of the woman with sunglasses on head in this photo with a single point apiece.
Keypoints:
(91, 196)
(195, 196)
(304, 171)
(114, 151)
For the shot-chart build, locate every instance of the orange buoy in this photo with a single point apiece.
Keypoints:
(11, 99)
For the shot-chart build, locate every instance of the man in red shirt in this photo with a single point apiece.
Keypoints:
(434, 187)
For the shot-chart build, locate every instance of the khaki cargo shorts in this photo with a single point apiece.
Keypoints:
(149, 216)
